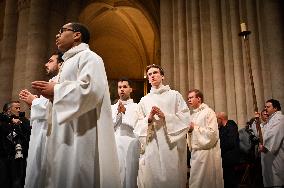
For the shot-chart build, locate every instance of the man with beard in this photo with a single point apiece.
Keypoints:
(81, 149)
(39, 115)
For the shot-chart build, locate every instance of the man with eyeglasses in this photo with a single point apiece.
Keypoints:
(81, 149)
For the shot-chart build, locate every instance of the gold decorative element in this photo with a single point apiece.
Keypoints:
(150, 133)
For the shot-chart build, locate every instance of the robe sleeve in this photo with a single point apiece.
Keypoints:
(116, 118)
(130, 117)
(208, 135)
(39, 109)
(177, 123)
(275, 135)
(72, 98)
(141, 126)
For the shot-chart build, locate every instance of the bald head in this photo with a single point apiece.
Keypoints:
(222, 118)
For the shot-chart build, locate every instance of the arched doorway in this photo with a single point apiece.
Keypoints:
(127, 38)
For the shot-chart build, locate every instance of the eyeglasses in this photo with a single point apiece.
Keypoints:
(65, 29)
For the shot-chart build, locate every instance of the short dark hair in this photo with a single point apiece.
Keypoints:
(78, 27)
(275, 103)
(155, 66)
(8, 105)
(198, 93)
(125, 79)
(59, 56)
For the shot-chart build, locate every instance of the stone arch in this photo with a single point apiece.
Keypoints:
(126, 36)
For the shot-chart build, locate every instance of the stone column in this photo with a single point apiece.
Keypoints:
(253, 25)
(238, 69)
(73, 12)
(56, 21)
(196, 46)
(166, 31)
(218, 57)
(182, 58)
(8, 51)
(21, 47)
(206, 46)
(37, 41)
(229, 79)
(273, 49)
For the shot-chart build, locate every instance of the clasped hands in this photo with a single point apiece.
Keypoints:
(45, 89)
(121, 108)
(191, 127)
(155, 111)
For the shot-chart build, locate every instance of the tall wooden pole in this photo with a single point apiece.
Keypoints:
(245, 34)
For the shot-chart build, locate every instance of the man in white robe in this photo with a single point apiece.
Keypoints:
(162, 127)
(124, 118)
(272, 150)
(204, 144)
(80, 150)
(40, 110)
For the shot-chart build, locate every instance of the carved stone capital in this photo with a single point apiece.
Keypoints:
(23, 4)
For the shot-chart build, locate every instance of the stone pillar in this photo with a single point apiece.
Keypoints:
(274, 48)
(56, 21)
(8, 51)
(206, 46)
(196, 46)
(182, 58)
(37, 41)
(228, 61)
(218, 57)
(166, 40)
(21, 47)
(73, 12)
(254, 41)
(238, 71)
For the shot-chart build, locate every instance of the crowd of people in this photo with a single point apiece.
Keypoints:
(75, 138)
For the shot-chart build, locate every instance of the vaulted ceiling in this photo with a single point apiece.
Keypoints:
(124, 34)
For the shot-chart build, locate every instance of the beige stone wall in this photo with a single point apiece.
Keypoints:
(196, 42)
(200, 48)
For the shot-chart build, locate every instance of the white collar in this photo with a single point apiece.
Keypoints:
(74, 50)
(200, 108)
(129, 101)
(160, 90)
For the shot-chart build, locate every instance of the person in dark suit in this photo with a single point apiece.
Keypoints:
(14, 142)
(230, 149)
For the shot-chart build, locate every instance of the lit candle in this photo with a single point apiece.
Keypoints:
(243, 27)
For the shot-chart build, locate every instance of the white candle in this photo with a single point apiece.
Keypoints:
(243, 27)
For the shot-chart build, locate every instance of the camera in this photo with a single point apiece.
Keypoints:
(252, 137)
(19, 153)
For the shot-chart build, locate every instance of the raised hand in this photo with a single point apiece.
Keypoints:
(155, 110)
(46, 89)
(27, 96)
(121, 108)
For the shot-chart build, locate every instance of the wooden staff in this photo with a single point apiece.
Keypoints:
(245, 33)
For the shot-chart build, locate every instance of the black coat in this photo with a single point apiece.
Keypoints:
(229, 141)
